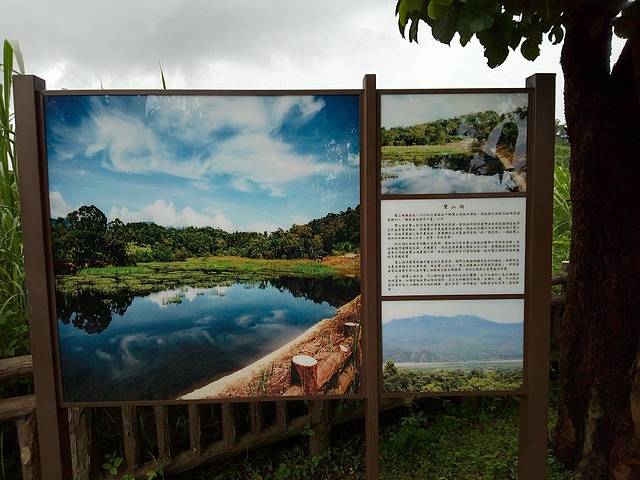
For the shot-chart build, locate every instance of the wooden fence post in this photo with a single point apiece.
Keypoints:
(80, 437)
(130, 436)
(163, 433)
(28, 444)
(319, 420)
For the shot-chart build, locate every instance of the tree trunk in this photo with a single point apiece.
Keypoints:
(598, 431)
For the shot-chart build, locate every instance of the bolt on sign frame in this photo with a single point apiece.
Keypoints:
(29, 92)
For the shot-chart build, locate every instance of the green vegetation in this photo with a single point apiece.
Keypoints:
(396, 379)
(561, 205)
(84, 238)
(476, 126)
(14, 338)
(434, 439)
(204, 272)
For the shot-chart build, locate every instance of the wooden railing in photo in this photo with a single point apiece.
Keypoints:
(228, 441)
(334, 374)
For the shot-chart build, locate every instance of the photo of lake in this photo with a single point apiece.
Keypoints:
(452, 345)
(453, 143)
(205, 247)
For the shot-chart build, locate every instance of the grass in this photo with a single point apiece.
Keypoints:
(204, 272)
(434, 439)
(14, 339)
(561, 211)
(419, 154)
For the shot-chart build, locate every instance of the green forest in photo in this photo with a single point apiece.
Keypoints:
(108, 257)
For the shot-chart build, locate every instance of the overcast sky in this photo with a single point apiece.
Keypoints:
(246, 44)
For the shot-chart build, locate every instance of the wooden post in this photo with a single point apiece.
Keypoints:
(195, 429)
(80, 437)
(228, 425)
(350, 329)
(369, 266)
(255, 412)
(534, 404)
(130, 437)
(281, 415)
(163, 433)
(319, 422)
(52, 423)
(306, 368)
(28, 444)
(332, 365)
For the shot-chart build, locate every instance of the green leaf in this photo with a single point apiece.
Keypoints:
(7, 68)
(530, 49)
(444, 28)
(436, 10)
(496, 55)
(413, 30)
(164, 84)
(464, 39)
(482, 22)
(404, 9)
(17, 53)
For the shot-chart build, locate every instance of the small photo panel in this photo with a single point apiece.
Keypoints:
(433, 346)
(453, 143)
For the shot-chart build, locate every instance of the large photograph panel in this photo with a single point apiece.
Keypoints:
(453, 143)
(205, 246)
(452, 345)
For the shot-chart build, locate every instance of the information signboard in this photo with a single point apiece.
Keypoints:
(171, 236)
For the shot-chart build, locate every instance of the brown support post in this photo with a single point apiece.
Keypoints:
(28, 445)
(319, 420)
(255, 417)
(195, 428)
(369, 268)
(281, 415)
(130, 437)
(228, 424)
(81, 439)
(163, 433)
(534, 404)
(51, 421)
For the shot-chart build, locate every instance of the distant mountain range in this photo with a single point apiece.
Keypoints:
(450, 339)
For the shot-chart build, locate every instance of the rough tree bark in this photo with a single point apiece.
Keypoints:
(598, 431)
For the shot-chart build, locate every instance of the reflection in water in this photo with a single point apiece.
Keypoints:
(409, 179)
(122, 347)
(91, 312)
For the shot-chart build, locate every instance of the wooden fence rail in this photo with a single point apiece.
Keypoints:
(228, 441)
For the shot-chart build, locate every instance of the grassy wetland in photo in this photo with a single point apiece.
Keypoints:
(452, 345)
(453, 143)
(205, 246)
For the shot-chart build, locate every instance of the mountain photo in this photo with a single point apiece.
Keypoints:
(443, 345)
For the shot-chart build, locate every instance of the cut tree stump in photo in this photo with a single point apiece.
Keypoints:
(306, 368)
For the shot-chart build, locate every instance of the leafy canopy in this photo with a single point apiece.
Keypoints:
(500, 26)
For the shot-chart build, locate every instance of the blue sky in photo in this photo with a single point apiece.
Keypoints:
(235, 162)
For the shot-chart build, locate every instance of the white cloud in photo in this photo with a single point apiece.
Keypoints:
(407, 178)
(166, 214)
(500, 311)
(407, 110)
(59, 207)
(236, 136)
